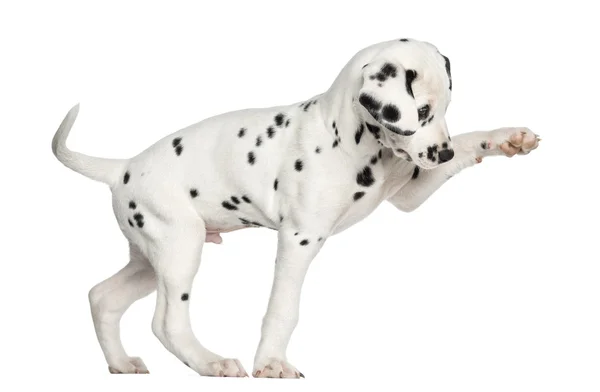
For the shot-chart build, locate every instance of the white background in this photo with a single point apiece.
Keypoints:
(492, 285)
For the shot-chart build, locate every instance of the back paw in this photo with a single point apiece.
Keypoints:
(131, 365)
(224, 368)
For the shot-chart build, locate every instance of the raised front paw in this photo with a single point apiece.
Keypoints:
(512, 141)
(276, 368)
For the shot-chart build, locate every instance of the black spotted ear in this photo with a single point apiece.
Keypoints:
(447, 61)
(387, 95)
(411, 75)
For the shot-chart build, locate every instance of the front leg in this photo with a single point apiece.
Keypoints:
(295, 251)
(469, 149)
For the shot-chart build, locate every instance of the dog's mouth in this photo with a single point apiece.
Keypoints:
(426, 165)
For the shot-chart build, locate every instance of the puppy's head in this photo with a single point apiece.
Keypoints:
(405, 92)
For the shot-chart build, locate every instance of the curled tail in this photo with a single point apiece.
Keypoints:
(104, 170)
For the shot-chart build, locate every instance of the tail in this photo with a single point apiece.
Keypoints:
(104, 170)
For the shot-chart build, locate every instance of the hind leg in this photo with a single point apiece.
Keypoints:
(110, 299)
(175, 255)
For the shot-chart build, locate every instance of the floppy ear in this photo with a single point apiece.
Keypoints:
(447, 64)
(387, 96)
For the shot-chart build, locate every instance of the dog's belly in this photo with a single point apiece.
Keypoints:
(214, 235)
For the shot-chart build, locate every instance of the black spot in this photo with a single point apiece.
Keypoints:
(430, 153)
(411, 75)
(420, 155)
(245, 221)
(423, 112)
(380, 76)
(298, 165)
(242, 132)
(139, 219)
(404, 40)
(359, 133)
(320, 239)
(193, 193)
(270, 132)
(275, 184)
(374, 129)
(304, 242)
(258, 140)
(389, 70)
(358, 195)
(373, 159)
(333, 125)
(186, 364)
(279, 119)
(287, 122)
(415, 173)
(447, 61)
(365, 177)
(398, 130)
(176, 141)
(307, 105)
(185, 296)
(430, 119)
(371, 104)
(126, 178)
(379, 154)
(251, 158)
(318, 150)
(444, 145)
(132, 205)
(335, 143)
(130, 222)
(178, 149)
(235, 200)
(256, 223)
(483, 145)
(246, 199)
(280, 218)
(391, 113)
(228, 205)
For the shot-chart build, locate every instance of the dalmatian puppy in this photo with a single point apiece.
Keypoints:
(308, 170)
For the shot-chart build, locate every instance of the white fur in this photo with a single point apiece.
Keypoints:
(308, 206)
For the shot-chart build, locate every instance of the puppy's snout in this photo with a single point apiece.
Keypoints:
(446, 155)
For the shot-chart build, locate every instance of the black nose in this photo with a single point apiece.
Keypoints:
(446, 155)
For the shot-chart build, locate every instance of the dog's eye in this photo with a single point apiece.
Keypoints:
(423, 112)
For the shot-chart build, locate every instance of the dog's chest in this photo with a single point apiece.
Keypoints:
(365, 189)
